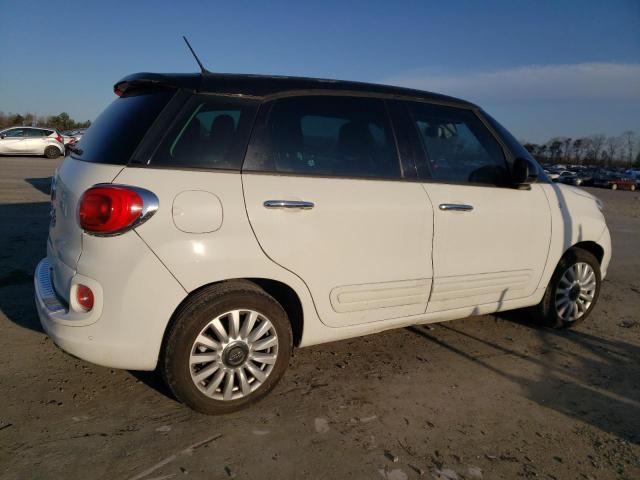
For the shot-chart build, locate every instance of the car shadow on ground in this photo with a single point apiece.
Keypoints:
(43, 184)
(580, 375)
(23, 237)
(154, 381)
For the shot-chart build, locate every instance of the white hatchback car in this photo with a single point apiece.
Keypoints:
(243, 215)
(31, 141)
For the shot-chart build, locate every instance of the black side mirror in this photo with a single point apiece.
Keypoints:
(524, 173)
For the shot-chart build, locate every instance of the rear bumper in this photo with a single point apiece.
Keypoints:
(75, 334)
(131, 311)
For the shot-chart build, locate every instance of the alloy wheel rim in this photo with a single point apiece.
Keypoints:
(233, 355)
(575, 291)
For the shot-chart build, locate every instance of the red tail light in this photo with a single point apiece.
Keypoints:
(84, 297)
(59, 138)
(113, 209)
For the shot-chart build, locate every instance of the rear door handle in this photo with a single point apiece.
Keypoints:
(459, 207)
(289, 204)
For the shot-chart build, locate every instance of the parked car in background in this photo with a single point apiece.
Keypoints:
(570, 178)
(552, 175)
(79, 133)
(243, 215)
(561, 174)
(586, 177)
(615, 181)
(68, 138)
(31, 141)
(76, 133)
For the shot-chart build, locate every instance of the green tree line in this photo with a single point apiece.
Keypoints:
(60, 122)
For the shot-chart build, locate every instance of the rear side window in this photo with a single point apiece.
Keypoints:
(212, 132)
(117, 132)
(328, 135)
(458, 146)
(34, 132)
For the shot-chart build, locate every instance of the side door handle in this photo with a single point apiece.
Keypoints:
(458, 207)
(289, 204)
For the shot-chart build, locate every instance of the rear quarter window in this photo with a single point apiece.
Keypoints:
(117, 132)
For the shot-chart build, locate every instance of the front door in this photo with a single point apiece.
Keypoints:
(326, 198)
(490, 240)
(13, 141)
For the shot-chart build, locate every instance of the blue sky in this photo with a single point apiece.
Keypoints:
(542, 68)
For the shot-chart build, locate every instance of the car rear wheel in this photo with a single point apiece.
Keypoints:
(228, 346)
(572, 292)
(51, 152)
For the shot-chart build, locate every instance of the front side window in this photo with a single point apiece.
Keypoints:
(329, 135)
(15, 133)
(212, 133)
(458, 146)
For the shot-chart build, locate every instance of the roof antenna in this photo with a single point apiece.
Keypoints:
(202, 69)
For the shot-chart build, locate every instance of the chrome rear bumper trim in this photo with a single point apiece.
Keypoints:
(44, 288)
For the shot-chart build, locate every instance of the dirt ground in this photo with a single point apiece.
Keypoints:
(482, 397)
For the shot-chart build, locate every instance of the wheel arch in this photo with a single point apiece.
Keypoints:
(284, 294)
(592, 247)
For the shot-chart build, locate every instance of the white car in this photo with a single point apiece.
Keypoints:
(31, 141)
(552, 175)
(241, 216)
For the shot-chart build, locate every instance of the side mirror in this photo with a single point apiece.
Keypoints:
(524, 173)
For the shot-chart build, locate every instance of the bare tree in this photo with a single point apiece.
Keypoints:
(612, 147)
(629, 139)
(596, 143)
(554, 147)
(566, 148)
(578, 148)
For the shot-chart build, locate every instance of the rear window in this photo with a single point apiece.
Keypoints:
(117, 132)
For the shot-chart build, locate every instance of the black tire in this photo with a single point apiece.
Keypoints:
(51, 152)
(545, 312)
(189, 320)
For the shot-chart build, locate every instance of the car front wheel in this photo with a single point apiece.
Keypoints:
(228, 346)
(572, 292)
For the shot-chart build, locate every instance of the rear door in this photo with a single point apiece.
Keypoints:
(490, 240)
(327, 199)
(34, 141)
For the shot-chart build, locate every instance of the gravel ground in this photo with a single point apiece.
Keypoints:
(482, 397)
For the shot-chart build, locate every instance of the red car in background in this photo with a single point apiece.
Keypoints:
(615, 182)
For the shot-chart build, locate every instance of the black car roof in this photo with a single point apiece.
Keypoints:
(268, 85)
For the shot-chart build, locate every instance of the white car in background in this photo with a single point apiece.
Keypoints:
(72, 137)
(239, 216)
(31, 141)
